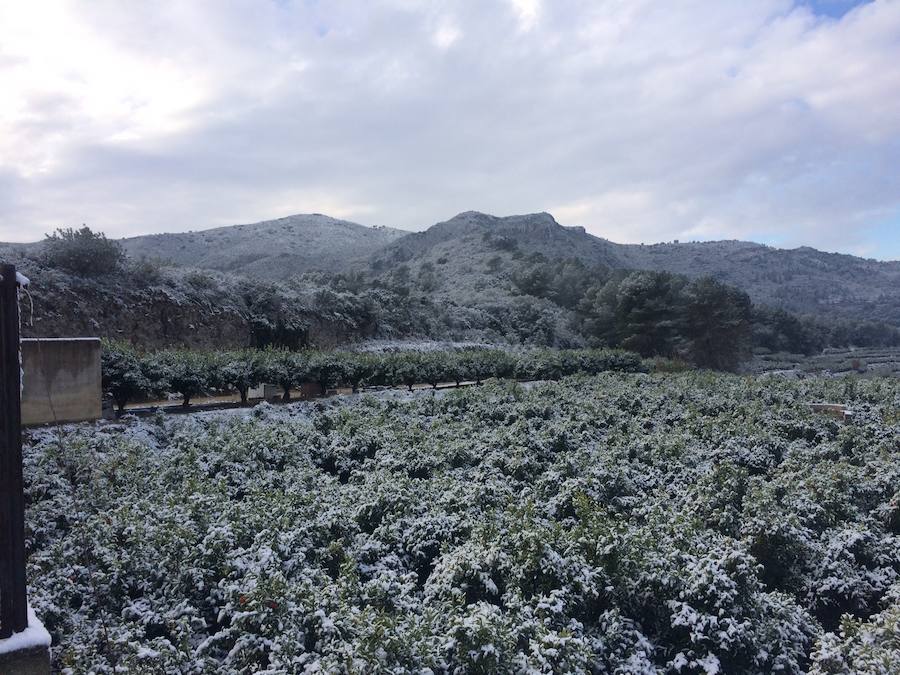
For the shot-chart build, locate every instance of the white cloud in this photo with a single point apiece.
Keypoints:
(446, 35)
(640, 120)
(527, 12)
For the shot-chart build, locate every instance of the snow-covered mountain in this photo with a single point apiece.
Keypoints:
(272, 249)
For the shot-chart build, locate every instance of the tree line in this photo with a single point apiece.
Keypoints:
(130, 375)
(704, 321)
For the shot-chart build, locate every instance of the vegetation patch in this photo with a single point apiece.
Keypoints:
(686, 522)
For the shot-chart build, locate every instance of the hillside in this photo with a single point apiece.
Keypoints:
(272, 249)
(165, 306)
(310, 278)
(455, 255)
(802, 280)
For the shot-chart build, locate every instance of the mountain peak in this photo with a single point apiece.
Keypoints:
(268, 249)
(521, 221)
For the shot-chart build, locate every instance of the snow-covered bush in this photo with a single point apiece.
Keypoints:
(126, 376)
(241, 370)
(82, 252)
(627, 523)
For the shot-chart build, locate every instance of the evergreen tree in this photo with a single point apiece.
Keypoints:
(716, 324)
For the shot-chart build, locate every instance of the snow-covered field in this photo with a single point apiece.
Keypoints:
(688, 523)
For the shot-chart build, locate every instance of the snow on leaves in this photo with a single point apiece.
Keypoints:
(627, 523)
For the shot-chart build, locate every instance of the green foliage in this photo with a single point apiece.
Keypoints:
(664, 365)
(189, 373)
(716, 324)
(126, 376)
(862, 647)
(658, 314)
(565, 282)
(619, 523)
(779, 331)
(242, 370)
(129, 374)
(201, 280)
(640, 312)
(285, 368)
(401, 368)
(328, 369)
(146, 271)
(82, 252)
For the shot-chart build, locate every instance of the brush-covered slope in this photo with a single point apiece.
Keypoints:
(470, 252)
(474, 254)
(803, 280)
(475, 276)
(272, 249)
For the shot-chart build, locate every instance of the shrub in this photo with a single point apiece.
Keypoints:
(202, 281)
(243, 370)
(664, 365)
(126, 376)
(83, 252)
(146, 271)
(866, 647)
(608, 524)
(188, 373)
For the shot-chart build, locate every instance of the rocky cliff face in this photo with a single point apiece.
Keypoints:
(149, 319)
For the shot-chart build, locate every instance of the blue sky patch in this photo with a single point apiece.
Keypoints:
(834, 8)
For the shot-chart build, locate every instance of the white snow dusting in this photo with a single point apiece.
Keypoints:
(34, 635)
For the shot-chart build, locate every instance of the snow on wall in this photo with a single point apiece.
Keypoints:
(35, 635)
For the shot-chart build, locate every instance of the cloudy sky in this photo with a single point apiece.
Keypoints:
(771, 120)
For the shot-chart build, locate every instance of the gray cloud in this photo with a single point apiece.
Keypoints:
(642, 121)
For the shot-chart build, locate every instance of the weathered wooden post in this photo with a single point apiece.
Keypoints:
(13, 597)
(24, 642)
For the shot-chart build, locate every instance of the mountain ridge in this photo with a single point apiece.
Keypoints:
(803, 280)
(293, 244)
(469, 257)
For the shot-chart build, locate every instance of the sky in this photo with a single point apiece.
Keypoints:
(776, 121)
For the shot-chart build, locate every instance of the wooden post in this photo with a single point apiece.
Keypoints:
(13, 598)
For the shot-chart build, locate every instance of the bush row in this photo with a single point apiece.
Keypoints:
(129, 375)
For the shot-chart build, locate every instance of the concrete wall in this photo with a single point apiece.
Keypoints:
(61, 380)
(29, 661)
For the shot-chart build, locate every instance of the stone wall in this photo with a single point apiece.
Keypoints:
(61, 380)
